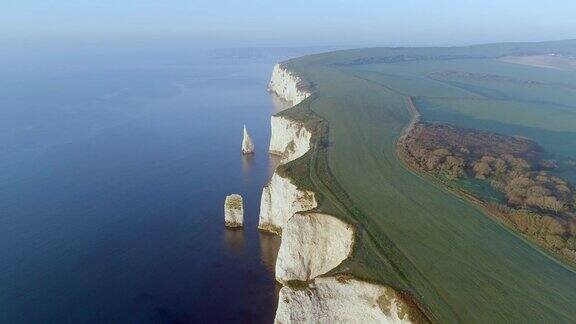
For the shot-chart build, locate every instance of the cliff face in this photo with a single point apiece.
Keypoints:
(289, 139)
(287, 85)
(312, 244)
(280, 200)
(340, 300)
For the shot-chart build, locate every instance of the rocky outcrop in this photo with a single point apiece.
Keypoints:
(312, 244)
(289, 139)
(247, 143)
(341, 300)
(280, 200)
(287, 85)
(233, 211)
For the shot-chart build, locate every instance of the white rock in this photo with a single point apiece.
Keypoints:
(340, 300)
(247, 143)
(287, 85)
(289, 139)
(233, 211)
(312, 244)
(280, 200)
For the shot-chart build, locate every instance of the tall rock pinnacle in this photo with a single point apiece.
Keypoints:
(247, 144)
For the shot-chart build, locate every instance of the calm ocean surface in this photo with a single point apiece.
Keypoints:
(113, 174)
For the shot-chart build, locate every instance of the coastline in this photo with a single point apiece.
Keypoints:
(413, 236)
(394, 306)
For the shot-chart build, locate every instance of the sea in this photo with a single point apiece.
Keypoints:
(114, 165)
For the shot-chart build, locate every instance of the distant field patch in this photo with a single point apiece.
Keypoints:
(505, 111)
(545, 61)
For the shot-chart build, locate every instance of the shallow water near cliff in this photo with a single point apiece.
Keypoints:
(112, 182)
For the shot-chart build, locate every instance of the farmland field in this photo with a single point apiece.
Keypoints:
(456, 261)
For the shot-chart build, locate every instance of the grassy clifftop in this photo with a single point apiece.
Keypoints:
(459, 264)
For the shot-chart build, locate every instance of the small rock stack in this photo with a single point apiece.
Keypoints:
(234, 211)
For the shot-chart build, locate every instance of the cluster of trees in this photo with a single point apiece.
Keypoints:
(442, 159)
(458, 152)
(538, 204)
(523, 186)
(539, 190)
(510, 164)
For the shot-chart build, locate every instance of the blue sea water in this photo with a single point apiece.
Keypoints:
(113, 174)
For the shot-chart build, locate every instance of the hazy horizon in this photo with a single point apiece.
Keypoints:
(299, 23)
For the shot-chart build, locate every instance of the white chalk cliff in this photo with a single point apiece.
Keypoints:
(280, 200)
(287, 85)
(340, 300)
(247, 143)
(233, 211)
(289, 139)
(312, 244)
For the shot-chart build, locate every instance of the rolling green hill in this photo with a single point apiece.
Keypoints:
(460, 264)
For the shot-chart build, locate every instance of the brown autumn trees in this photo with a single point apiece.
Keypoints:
(537, 203)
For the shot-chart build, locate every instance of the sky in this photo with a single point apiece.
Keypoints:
(288, 22)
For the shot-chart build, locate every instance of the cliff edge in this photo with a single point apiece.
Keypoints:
(341, 299)
(314, 243)
(287, 85)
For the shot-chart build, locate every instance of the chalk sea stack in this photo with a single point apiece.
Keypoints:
(233, 211)
(247, 144)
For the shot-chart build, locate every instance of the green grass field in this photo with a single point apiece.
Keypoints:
(461, 265)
